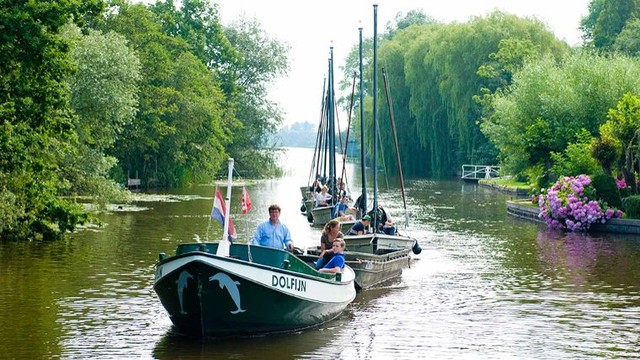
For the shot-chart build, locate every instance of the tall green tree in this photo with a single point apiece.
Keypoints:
(104, 95)
(36, 119)
(197, 22)
(446, 66)
(178, 135)
(263, 60)
(628, 41)
(605, 21)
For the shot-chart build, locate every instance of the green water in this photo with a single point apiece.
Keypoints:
(485, 286)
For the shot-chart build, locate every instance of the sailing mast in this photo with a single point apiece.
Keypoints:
(331, 133)
(375, 115)
(395, 143)
(363, 168)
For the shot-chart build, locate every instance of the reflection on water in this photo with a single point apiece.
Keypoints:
(485, 285)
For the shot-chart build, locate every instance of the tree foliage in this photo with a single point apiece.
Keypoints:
(551, 101)
(606, 21)
(263, 59)
(104, 96)
(623, 124)
(36, 120)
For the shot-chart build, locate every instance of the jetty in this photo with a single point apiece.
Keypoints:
(473, 173)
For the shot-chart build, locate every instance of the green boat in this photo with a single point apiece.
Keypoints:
(254, 290)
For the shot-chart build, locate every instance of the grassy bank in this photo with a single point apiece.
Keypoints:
(507, 184)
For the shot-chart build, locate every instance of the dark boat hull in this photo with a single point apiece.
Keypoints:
(206, 295)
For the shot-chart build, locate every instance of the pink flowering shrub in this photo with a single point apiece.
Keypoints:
(571, 204)
(620, 183)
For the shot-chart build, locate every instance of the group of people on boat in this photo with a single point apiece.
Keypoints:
(384, 223)
(323, 194)
(273, 233)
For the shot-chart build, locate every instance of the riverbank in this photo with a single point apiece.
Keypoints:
(525, 210)
(507, 185)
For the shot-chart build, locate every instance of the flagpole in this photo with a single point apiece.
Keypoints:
(227, 202)
(223, 247)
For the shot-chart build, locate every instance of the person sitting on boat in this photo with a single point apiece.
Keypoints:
(359, 204)
(315, 188)
(361, 226)
(273, 233)
(384, 222)
(341, 190)
(323, 197)
(337, 262)
(344, 212)
(330, 233)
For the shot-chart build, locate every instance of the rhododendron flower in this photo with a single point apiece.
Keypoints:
(570, 204)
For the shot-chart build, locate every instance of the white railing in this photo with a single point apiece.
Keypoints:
(477, 172)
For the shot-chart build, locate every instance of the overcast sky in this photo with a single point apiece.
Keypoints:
(310, 28)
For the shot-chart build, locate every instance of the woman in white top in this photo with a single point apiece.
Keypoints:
(323, 196)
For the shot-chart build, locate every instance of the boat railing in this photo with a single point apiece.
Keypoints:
(258, 254)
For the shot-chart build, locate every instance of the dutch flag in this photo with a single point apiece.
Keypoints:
(218, 212)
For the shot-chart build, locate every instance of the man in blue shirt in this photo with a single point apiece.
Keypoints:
(273, 233)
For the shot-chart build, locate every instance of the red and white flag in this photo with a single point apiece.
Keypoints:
(246, 201)
(218, 213)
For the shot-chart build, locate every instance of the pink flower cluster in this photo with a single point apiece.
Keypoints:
(567, 205)
(620, 183)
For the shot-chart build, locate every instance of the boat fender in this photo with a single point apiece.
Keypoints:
(416, 248)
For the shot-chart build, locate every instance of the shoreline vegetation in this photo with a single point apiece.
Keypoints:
(507, 184)
(525, 209)
(183, 92)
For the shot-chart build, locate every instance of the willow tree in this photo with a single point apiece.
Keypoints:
(393, 62)
(442, 71)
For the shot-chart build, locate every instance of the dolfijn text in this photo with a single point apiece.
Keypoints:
(289, 283)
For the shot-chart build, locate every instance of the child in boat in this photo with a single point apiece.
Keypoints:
(330, 233)
(337, 262)
(344, 212)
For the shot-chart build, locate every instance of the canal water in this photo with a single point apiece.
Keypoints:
(486, 285)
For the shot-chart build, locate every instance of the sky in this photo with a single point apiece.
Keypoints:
(311, 28)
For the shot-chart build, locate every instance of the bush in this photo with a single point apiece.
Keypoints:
(632, 206)
(606, 151)
(607, 190)
(570, 204)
